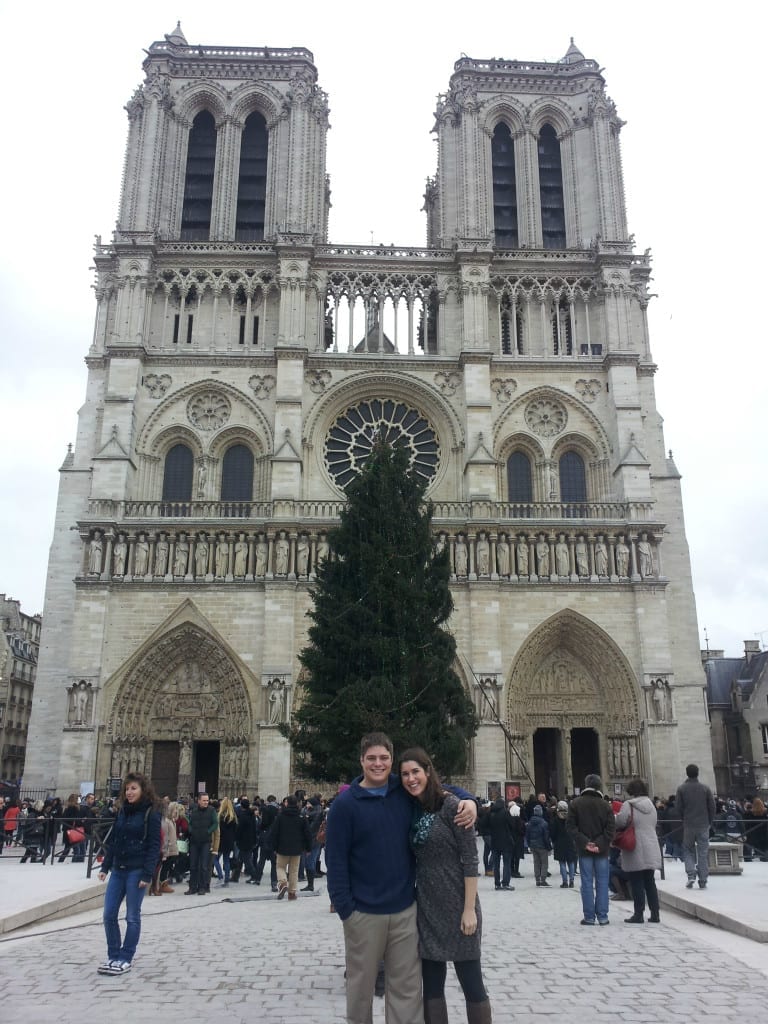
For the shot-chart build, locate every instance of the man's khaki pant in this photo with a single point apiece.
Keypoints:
(288, 870)
(393, 938)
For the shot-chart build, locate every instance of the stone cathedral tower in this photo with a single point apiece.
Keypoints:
(240, 367)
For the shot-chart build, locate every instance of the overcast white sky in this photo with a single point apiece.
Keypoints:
(688, 83)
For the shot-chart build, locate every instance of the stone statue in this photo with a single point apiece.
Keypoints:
(262, 551)
(552, 481)
(241, 556)
(323, 549)
(582, 557)
(161, 556)
(562, 561)
(302, 555)
(201, 556)
(622, 557)
(645, 556)
(522, 556)
(440, 544)
(276, 701)
(660, 702)
(502, 555)
(483, 554)
(542, 556)
(141, 556)
(202, 473)
(119, 556)
(601, 556)
(181, 556)
(281, 554)
(461, 556)
(95, 553)
(81, 693)
(222, 555)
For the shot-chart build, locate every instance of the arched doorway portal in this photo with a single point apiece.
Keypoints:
(572, 707)
(182, 715)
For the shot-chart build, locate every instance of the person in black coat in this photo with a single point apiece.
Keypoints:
(563, 846)
(502, 836)
(246, 840)
(289, 838)
(269, 812)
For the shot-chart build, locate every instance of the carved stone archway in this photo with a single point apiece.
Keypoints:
(186, 687)
(570, 675)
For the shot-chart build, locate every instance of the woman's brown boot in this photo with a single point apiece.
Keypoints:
(479, 1013)
(435, 1011)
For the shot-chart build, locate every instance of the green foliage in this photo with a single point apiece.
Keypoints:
(379, 656)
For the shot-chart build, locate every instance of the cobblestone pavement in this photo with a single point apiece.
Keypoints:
(256, 959)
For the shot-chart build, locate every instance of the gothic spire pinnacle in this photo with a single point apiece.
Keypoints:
(573, 55)
(177, 37)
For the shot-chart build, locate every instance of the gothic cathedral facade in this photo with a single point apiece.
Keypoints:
(239, 368)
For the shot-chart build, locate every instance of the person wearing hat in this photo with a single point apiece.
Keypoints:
(591, 825)
(539, 843)
(562, 845)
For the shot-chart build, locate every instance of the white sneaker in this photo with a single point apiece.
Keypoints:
(120, 967)
(105, 968)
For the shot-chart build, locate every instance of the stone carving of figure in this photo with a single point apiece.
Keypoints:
(281, 554)
(645, 556)
(201, 556)
(95, 553)
(302, 555)
(181, 556)
(241, 556)
(483, 554)
(119, 556)
(552, 473)
(522, 556)
(141, 556)
(276, 701)
(601, 557)
(582, 557)
(202, 473)
(323, 549)
(502, 555)
(542, 556)
(562, 560)
(80, 696)
(222, 555)
(185, 755)
(440, 544)
(461, 556)
(161, 556)
(660, 700)
(262, 551)
(622, 557)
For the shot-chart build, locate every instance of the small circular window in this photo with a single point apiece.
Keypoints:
(352, 437)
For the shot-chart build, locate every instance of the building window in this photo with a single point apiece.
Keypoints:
(177, 476)
(237, 474)
(573, 478)
(252, 181)
(764, 734)
(562, 335)
(519, 483)
(504, 188)
(198, 182)
(551, 189)
(511, 328)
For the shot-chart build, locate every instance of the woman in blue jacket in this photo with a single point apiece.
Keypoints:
(132, 852)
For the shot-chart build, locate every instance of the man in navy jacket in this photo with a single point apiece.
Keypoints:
(371, 877)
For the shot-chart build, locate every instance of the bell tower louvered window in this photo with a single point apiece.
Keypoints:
(551, 189)
(504, 188)
(252, 181)
(237, 474)
(177, 475)
(519, 484)
(198, 182)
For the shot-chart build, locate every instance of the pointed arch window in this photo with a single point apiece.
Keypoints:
(178, 473)
(504, 187)
(551, 189)
(237, 474)
(562, 333)
(198, 180)
(573, 478)
(511, 328)
(252, 180)
(519, 480)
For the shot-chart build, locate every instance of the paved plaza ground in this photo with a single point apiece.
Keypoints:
(240, 955)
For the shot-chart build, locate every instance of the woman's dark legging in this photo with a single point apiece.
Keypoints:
(468, 972)
(643, 884)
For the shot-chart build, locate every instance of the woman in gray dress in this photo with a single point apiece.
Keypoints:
(446, 893)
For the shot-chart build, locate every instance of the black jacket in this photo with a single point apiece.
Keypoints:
(590, 819)
(500, 828)
(289, 834)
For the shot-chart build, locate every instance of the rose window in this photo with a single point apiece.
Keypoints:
(351, 439)
(208, 410)
(545, 417)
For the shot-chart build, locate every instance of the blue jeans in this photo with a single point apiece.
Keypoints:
(696, 853)
(567, 870)
(123, 885)
(594, 887)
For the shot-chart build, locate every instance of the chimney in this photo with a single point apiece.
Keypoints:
(751, 648)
